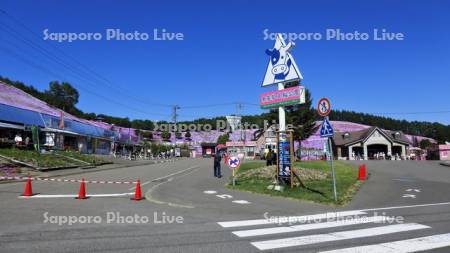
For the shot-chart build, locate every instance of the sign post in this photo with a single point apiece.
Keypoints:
(326, 131)
(234, 163)
(333, 171)
(282, 69)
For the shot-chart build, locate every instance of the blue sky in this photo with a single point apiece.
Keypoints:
(222, 59)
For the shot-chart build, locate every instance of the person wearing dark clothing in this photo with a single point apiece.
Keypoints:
(274, 158)
(269, 157)
(217, 159)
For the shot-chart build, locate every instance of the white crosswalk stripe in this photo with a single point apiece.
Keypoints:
(375, 226)
(286, 219)
(297, 228)
(404, 246)
(337, 236)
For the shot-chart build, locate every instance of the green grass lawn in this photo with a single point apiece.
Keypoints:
(91, 159)
(346, 182)
(49, 160)
(36, 159)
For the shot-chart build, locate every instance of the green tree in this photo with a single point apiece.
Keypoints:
(302, 116)
(148, 135)
(166, 135)
(424, 144)
(63, 96)
(223, 138)
(142, 124)
(187, 135)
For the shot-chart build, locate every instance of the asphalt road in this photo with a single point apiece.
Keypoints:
(216, 219)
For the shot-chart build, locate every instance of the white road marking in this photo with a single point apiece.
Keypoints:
(75, 195)
(209, 192)
(409, 196)
(285, 219)
(404, 180)
(241, 202)
(404, 246)
(134, 187)
(224, 196)
(401, 207)
(337, 236)
(148, 194)
(416, 190)
(305, 227)
(173, 174)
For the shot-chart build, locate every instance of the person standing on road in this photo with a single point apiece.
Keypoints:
(217, 159)
(269, 157)
(274, 158)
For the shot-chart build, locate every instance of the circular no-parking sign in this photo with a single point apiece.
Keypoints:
(234, 162)
(324, 107)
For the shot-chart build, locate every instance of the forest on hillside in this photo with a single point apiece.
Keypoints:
(64, 96)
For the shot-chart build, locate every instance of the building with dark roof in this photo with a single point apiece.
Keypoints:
(370, 143)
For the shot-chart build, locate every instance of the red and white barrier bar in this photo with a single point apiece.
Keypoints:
(67, 180)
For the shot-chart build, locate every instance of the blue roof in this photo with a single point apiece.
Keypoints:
(26, 117)
(21, 116)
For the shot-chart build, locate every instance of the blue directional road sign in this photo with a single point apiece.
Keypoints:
(326, 130)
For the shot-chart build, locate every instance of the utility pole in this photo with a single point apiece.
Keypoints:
(281, 113)
(175, 115)
(239, 107)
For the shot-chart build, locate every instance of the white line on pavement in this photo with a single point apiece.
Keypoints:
(75, 195)
(145, 183)
(173, 174)
(404, 246)
(285, 219)
(410, 206)
(164, 177)
(305, 227)
(148, 194)
(244, 202)
(337, 236)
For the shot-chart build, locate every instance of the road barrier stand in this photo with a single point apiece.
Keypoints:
(362, 173)
(28, 192)
(137, 192)
(82, 192)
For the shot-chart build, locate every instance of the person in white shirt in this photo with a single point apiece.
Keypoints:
(18, 139)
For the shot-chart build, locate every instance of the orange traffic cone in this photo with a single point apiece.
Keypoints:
(82, 192)
(137, 193)
(362, 172)
(28, 189)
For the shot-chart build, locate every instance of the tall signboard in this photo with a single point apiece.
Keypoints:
(289, 96)
(282, 69)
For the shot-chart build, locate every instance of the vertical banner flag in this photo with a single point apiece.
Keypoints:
(284, 150)
(61, 120)
(35, 137)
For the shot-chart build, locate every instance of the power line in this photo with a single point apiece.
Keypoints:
(404, 113)
(51, 73)
(217, 105)
(76, 70)
(206, 106)
(71, 67)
